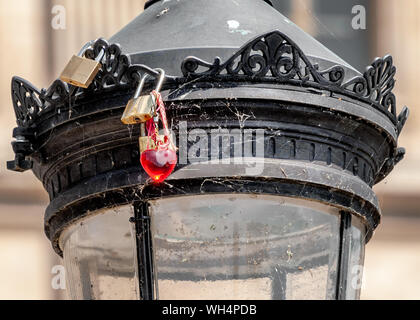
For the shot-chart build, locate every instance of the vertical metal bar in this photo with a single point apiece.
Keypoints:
(86, 281)
(144, 250)
(344, 255)
(279, 283)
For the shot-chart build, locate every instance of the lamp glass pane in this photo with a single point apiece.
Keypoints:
(234, 246)
(356, 261)
(99, 256)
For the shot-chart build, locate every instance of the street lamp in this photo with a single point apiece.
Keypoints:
(279, 144)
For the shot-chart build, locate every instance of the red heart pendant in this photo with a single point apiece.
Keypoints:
(158, 164)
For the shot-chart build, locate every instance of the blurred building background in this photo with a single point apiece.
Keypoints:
(33, 49)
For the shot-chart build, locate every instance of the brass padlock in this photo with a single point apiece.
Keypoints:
(140, 109)
(81, 71)
(146, 142)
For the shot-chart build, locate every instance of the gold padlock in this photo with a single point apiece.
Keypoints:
(140, 109)
(81, 71)
(146, 142)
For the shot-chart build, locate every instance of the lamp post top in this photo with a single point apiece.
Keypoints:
(245, 66)
(167, 31)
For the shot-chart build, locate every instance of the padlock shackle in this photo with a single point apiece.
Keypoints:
(140, 86)
(85, 47)
(100, 55)
(89, 45)
(161, 79)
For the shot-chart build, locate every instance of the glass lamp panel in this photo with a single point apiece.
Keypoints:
(357, 257)
(99, 256)
(243, 246)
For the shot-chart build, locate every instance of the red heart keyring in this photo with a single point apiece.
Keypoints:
(160, 161)
(158, 164)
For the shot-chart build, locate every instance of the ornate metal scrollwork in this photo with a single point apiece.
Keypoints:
(114, 64)
(27, 101)
(117, 70)
(402, 118)
(376, 85)
(273, 57)
(270, 57)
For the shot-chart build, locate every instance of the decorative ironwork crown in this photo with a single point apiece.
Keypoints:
(271, 57)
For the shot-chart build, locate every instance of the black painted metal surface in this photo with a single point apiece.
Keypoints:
(168, 31)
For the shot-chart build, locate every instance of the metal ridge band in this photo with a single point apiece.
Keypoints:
(287, 178)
